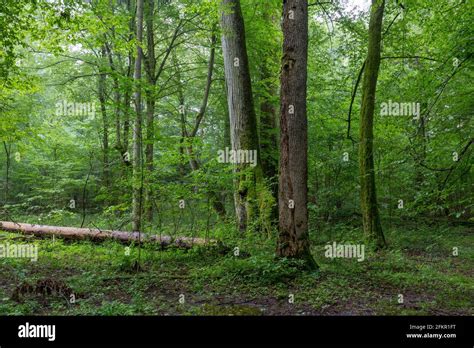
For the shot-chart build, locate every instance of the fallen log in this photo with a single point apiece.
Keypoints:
(95, 234)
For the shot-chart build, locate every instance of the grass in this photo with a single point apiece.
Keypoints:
(419, 265)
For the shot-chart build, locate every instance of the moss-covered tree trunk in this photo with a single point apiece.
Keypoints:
(243, 123)
(368, 195)
(293, 239)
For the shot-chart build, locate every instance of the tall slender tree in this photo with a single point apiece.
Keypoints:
(150, 106)
(293, 238)
(368, 195)
(137, 129)
(127, 95)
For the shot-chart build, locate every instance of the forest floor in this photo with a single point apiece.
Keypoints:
(419, 265)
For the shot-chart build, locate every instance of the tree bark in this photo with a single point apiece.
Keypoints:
(101, 235)
(242, 116)
(293, 238)
(127, 109)
(368, 195)
(137, 131)
(150, 109)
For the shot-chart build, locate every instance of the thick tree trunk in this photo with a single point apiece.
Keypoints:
(227, 141)
(368, 196)
(137, 131)
(101, 235)
(293, 239)
(242, 116)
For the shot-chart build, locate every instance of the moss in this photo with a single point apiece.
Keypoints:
(256, 195)
(368, 194)
(229, 310)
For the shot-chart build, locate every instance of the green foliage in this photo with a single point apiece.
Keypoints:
(53, 51)
(259, 270)
(432, 279)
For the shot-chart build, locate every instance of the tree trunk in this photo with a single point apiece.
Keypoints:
(150, 109)
(7, 170)
(293, 239)
(126, 120)
(105, 122)
(241, 109)
(94, 234)
(127, 109)
(368, 196)
(137, 131)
